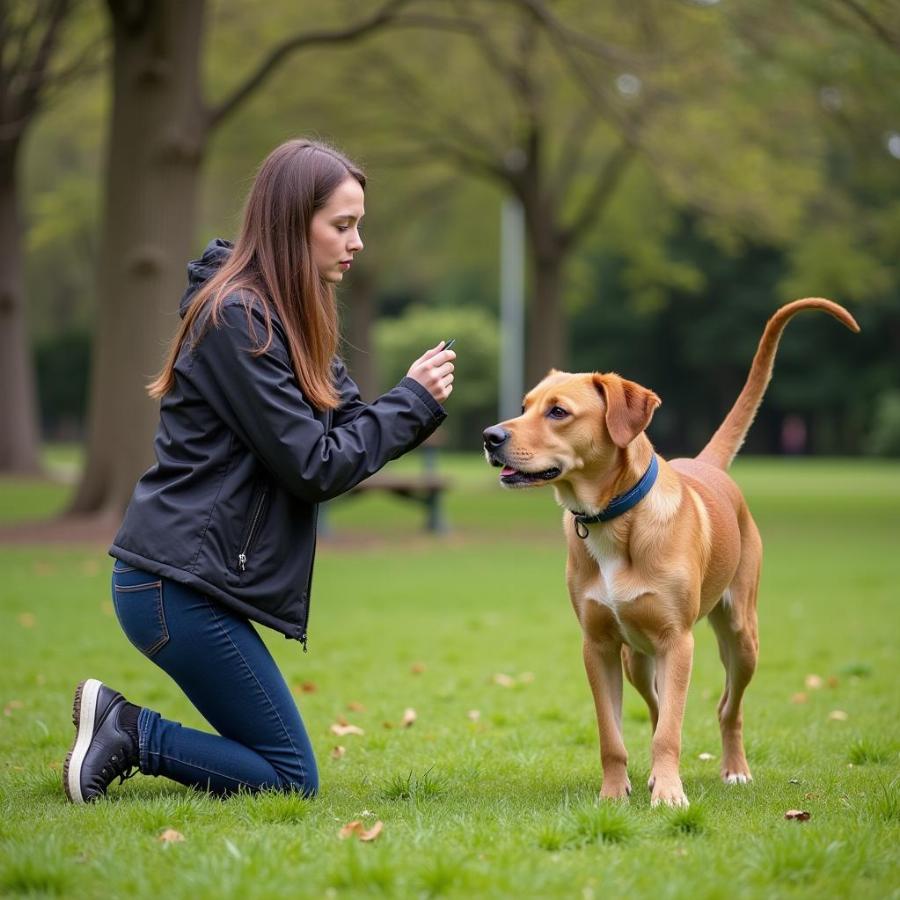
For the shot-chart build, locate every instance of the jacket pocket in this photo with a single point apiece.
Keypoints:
(142, 614)
(254, 526)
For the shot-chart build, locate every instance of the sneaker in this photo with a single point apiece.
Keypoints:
(104, 747)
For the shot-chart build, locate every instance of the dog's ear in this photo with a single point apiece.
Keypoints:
(629, 407)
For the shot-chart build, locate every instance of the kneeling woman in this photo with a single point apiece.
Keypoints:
(259, 423)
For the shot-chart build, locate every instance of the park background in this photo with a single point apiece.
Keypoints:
(682, 169)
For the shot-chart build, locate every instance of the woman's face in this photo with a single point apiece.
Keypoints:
(334, 230)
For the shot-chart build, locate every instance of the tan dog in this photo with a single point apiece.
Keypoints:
(639, 581)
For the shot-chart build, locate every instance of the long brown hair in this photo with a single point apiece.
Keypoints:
(272, 260)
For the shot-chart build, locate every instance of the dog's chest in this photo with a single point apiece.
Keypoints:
(617, 583)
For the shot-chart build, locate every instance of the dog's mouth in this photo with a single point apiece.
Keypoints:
(511, 477)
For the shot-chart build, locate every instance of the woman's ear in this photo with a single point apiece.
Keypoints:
(629, 407)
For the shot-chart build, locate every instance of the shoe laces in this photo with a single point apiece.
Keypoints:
(119, 765)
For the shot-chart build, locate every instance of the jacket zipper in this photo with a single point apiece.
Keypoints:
(254, 524)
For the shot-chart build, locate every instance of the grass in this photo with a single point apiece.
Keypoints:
(492, 791)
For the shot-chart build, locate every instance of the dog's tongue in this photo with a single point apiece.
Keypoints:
(507, 470)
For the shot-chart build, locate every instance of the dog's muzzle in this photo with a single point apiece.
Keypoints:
(495, 438)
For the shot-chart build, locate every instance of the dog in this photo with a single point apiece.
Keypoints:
(653, 546)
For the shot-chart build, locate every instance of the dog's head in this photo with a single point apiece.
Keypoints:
(569, 424)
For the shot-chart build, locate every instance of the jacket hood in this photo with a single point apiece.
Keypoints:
(201, 270)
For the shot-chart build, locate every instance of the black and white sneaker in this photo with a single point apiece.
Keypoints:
(105, 745)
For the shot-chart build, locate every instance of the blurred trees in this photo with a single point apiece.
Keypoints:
(763, 163)
(32, 70)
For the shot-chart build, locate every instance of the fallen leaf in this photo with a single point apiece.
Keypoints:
(373, 832)
(832, 681)
(837, 715)
(409, 716)
(417, 668)
(706, 757)
(27, 620)
(474, 714)
(357, 828)
(171, 836)
(504, 680)
(13, 704)
(355, 706)
(799, 697)
(308, 687)
(354, 827)
(340, 730)
(797, 815)
(813, 682)
(810, 795)
(387, 724)
(338, 752)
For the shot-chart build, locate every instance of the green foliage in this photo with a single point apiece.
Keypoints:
(62, 362)
(473, 404)
(765, 172)
(884, 439)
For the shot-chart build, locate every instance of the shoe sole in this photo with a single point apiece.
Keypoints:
(84, 713)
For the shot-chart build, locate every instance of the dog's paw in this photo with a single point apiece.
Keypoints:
(615, 789)
(667, 791)
(730, 777)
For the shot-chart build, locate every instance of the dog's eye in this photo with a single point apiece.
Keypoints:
(556, 412)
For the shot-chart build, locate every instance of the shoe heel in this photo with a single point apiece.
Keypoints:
(87, 691)
(76, 704)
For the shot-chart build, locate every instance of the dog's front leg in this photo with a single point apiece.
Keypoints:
(603, 663)
(673, 675)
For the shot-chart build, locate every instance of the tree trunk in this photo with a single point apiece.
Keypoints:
(19, 439)
(547, 341)
(156, 144)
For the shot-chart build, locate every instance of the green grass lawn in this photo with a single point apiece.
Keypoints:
(492, 791)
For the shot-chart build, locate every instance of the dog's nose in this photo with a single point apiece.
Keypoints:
(494, 437)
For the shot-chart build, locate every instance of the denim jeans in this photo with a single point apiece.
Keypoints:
(220, 662)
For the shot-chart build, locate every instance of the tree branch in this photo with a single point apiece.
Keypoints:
(878, 28)
(599, 196)
(384, 16)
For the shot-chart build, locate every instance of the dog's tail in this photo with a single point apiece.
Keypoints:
(725, 443)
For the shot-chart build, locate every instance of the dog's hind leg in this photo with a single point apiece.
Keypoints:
(735, 626)
(641, 672)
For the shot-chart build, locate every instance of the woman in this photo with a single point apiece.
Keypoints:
(259, 423)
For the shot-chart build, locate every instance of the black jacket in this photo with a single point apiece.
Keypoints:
(243, 461)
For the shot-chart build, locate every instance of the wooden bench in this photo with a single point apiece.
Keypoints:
(425, 487)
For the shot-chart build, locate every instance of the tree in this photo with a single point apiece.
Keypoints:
(160, 131)
(30, 72)
(557, 105)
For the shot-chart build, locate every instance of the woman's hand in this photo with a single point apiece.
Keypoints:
(434, 371)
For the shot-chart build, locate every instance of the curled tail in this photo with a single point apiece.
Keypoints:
(725, 443)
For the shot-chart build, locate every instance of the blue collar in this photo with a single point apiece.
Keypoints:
(620, 504)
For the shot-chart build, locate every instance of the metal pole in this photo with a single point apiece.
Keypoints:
(512, 308)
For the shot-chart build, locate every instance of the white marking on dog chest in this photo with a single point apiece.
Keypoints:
(616, 588)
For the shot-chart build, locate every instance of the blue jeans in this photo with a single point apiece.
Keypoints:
(220, 662)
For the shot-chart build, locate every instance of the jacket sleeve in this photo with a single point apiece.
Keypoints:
(258, 397)
(351, 404)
